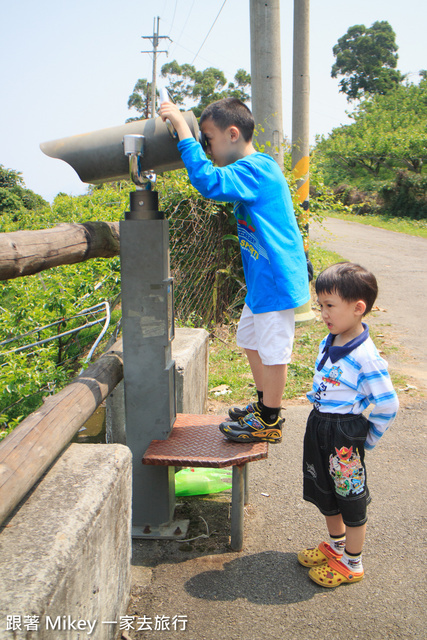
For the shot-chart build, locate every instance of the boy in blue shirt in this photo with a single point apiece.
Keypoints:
(271, 246)
(349, 375)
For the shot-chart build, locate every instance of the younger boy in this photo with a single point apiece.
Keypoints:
(349, 375)
(271, 246)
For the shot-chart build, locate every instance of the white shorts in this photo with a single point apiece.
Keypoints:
(271, 334)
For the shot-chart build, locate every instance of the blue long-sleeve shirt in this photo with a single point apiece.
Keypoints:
(272, 251)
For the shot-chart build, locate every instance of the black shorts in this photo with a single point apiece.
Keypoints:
(334, 465)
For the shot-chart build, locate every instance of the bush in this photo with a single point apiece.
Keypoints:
(407, 196)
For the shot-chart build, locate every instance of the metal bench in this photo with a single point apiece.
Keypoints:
(196, 441)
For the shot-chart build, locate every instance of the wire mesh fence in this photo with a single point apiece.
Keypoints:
(205, 262)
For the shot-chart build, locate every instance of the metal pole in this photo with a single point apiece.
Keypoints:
(237, 507)
(266, 76)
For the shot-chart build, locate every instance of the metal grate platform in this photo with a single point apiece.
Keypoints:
(196, 441)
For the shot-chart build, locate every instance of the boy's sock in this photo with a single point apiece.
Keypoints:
(260, 395)
(337, 543)
(269, 415)
(353, 561)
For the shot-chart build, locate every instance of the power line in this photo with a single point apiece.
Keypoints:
(207, 36)
(185, 24)
(173, 17)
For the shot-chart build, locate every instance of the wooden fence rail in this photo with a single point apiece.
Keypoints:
(24, 253)
(33, 445)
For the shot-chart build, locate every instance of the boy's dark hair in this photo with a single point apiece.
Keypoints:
(230, 112)
(350, 282)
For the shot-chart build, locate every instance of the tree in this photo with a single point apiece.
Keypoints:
(190, 88)
(379, 159)
(140, 99)
(15, 199)
(388, 132)
(367, 60)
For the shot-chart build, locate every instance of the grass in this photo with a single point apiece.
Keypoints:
(401, 225)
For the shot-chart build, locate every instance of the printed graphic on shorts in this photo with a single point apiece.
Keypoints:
(333, 376)
(311, 470)
(246, 231)
(347, 471)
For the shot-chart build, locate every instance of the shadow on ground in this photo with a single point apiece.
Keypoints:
(270, 577)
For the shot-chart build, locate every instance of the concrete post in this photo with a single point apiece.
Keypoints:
(153, 82)
(300, 126)
(266, 76)
(301, 102)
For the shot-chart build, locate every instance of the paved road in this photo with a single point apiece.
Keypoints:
(263, 593)
(399, 262)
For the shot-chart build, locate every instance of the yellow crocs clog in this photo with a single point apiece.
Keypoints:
(317, 556)
(334, 574)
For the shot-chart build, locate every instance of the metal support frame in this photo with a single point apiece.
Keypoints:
(147, 301)
(238, 500)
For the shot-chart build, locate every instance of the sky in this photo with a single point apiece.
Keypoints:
(69, 66)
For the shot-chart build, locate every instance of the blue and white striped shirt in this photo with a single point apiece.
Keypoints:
(352, 377)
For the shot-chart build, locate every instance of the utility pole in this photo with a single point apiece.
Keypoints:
(266, 76)
(155, 38)
(300, 125)
(301, 103)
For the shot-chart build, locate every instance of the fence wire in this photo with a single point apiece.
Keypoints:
(205, 263)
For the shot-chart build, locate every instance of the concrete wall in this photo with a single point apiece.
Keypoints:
(65, 553)
(190, 350)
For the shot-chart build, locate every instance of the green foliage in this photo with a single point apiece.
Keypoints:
(367, 59)
(11, 204)
(388, 131)
(180, 80)
(407, 196)
(54, 295)
(9, 179)
(388, 134)
(190, 88)
(322, 198)
(16, 201)
(140, 99)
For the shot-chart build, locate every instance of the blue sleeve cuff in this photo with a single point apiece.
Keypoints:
(186, 142)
